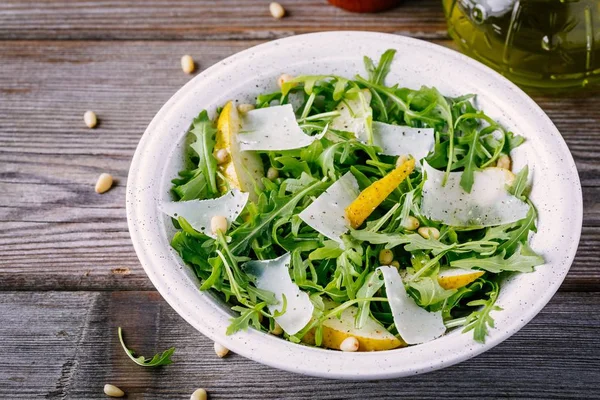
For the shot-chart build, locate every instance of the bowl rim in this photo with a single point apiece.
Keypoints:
(277, 353)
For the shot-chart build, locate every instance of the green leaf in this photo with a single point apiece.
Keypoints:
(248, 316)
(523, 260)
(479, 321)
(163, 358)
(520, 185)
(280, 207)
(373, 283)
(429, 291)
(377, 74)
(204, 131)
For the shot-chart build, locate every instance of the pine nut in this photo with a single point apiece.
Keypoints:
(221, 350)
(276, 9)
(222, 156)
(349, 344)
(283, 78)
(244, 108)
(429, 232)
(104, 183)
(218, 223)
(277, 330)
(113, 391)
(272, 174)
(90, 119)
(411, 223)
(395, 264)
(386, 257)
(187, 64)
(504, 161)
(199, 394)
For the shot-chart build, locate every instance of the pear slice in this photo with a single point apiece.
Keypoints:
(371, 337)
(455, 278)
(243, 169)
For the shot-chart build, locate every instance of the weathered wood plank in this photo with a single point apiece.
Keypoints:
(64, 345)
(205, 19)
(56, 233)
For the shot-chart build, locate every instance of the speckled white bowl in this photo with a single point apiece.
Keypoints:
(556, 192)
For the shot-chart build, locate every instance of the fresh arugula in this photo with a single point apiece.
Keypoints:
(159, 359)
(466, 140)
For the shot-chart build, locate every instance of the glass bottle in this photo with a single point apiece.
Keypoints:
(543, 45)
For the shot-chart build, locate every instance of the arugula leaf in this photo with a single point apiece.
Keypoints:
(204, 131)
(429, 291)
(373, 283)
(479, 321)
(248, 316)
(163, 358)
(279, 207)
(378, 74)
(520, 185)
(522, 260)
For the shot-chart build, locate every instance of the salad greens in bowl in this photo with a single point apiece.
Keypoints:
(411, 211)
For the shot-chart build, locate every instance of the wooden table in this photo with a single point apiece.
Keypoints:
(68, 272)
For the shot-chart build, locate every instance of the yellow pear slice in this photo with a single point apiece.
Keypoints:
(243, 169)
(371, 337)
(455, 278)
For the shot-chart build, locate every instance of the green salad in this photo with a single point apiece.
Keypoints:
(352, 214)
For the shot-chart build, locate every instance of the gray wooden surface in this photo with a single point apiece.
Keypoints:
(69, 275)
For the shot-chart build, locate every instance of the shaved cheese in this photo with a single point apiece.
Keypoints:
(326, 214)
(272, 128)
(274, 276)
(488, 204)
(355, 113)
(414, 324)
(198, 213)
(396, 140)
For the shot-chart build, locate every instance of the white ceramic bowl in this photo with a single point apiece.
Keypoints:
(556, 192)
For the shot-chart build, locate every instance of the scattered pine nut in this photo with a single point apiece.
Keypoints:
(222, 156)
(386, 257)
(395, 264)
(244, 108)
(429, 232)
(187, 64)
(104, 182)
(113, 391)
(411, 223)
(199, 394)
(221, 350)
(349, 344)
(277, 10)
(272, 174)
(283, 78)
(90, 119)
(218, 223)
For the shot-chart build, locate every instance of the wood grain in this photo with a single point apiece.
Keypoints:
(64, 345)
(205, 19)
(57, 234)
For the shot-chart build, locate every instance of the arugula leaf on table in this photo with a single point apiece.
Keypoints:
(163, 358)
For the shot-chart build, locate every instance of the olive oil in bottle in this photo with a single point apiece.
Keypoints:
(544, 45)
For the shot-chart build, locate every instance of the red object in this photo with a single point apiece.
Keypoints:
(365, 6)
